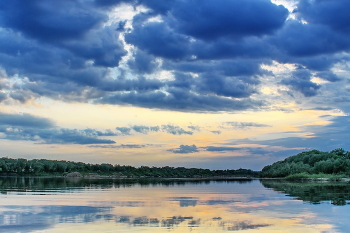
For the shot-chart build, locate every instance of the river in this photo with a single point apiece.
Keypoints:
(53, 205)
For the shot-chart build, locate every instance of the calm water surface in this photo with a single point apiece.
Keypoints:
(61, 205)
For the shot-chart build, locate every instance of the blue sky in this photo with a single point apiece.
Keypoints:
(213, 84)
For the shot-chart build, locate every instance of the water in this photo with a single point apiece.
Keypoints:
(62, 205)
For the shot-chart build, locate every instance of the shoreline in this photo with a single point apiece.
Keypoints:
(97, 177)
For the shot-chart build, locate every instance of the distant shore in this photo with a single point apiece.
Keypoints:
(97, 176)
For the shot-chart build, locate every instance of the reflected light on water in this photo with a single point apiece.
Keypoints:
(213, 206)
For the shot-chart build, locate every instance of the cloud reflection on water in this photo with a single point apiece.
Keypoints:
(198, 206)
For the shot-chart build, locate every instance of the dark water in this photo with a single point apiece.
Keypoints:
(62, 205)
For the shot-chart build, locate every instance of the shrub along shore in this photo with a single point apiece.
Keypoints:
(314, 164)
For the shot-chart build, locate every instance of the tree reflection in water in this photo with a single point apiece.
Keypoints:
(338, 193)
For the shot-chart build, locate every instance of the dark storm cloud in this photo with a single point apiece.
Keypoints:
(180, 100)
(67, 50)
(185, 149)
(238, 67)
(19, 55)
(140, 84)
(300, 40)
(301, 82)
(212, 85)
(142, 63)
(158, 39)
(209, 20)
(44, 41)
(78, 29)
(101, 46)
(322, 62)
(25, 120)
(334, 14)
(224, 86)
(49, 20)
(157, 7)
(328, 76)
(49, 77)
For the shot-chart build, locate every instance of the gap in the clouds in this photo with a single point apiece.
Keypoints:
(163, 137)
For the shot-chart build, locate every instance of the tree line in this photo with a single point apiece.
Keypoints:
(9, 166)
(336, 162)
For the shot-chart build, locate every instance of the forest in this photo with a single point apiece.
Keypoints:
(34, 167)
(312, 163)
(308, 164)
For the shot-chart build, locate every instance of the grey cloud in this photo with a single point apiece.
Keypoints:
(194, 127)
(145, 129)
(171, 129)
(3, 96)
(124, 130)
(323, 109)
(54, 136)
(185, 149)
(124, 146)
(140, 129)
(221, 148)
(175, 130)
(43, 130)
(93, 132)
(216, 131)
(245, 125)
(25, 120)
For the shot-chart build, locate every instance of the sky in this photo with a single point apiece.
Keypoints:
(218, 84)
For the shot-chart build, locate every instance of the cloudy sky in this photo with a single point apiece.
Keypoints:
(218, 84)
